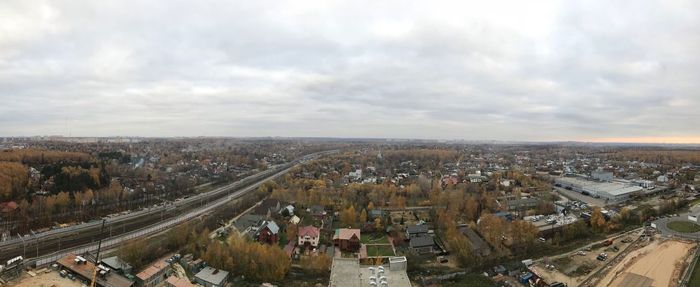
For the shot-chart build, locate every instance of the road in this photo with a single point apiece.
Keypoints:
(664, 230)
(137, 224)
(591, 201)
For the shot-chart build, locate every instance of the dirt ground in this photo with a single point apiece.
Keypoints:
(44, 280)
(659, 261)
(573, 268)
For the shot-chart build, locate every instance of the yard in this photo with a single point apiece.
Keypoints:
(374, 238)
(683, 226)
(379, 250)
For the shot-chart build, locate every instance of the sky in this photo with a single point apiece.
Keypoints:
(474, 70)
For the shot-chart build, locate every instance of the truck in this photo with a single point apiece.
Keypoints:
(608, 242)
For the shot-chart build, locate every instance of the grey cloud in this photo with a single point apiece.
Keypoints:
(552, 71)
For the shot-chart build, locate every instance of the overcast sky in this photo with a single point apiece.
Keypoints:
(512, 70)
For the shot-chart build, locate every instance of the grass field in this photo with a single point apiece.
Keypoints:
(379, 250)
(683, 226)
(374, 238)
(695, 277)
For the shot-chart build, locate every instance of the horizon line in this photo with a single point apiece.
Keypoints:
(610, 140)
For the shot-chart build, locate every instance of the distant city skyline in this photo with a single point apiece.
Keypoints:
(589, 71)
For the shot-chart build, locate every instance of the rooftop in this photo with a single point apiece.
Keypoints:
(346, 233)
(417, 229)
(270, 225)
(212, 275)
(421, 241)
(86, 270)
(347, 272)
(613, 188)
(179, 282)
(115, 263)
(152, 270)
(309, 230)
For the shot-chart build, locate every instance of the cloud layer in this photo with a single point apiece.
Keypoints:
(506, 70)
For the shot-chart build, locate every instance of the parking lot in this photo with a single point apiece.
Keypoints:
(599, 202)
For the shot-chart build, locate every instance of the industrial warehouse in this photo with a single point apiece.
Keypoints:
(612, 191)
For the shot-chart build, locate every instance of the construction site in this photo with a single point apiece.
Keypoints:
(638, 258)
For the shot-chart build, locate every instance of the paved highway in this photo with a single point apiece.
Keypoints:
(140, 223)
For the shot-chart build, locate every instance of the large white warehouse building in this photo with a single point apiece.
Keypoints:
(613, 191)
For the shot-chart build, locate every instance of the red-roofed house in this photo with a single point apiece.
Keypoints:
(309, 236)
(347, 239)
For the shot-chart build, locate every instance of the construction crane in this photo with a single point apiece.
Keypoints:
(97, 257)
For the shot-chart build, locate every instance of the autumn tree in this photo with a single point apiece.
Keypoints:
(522, 235)
(461, 248)
(13, 181)
(493, 228)
(363, 216)
(348, 217)
(597, 220)
(471, 208)
(316, 264)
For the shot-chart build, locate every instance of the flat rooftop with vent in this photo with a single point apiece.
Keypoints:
(347, 272)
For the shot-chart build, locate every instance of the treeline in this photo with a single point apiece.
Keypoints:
(44, 211)
(667, 157)
(423, 155)
(36, 156)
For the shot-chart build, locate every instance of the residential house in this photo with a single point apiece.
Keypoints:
(248, 223)
(309, 236)
(316, 210)
(347, 239)
(287, 210)
(268, 207)
(211, 277)
(268, 232)
(416, 231)
(422, 244)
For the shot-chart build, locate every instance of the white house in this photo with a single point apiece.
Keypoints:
(309, 235)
